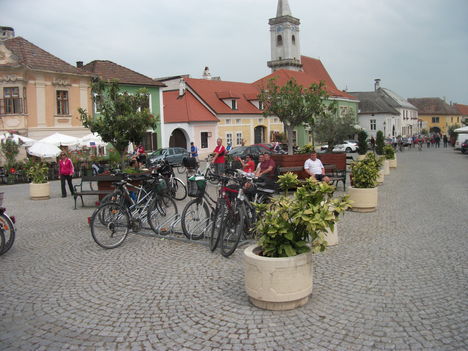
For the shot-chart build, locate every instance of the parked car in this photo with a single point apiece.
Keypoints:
(347, 146)
(407, 141)
(464, 146)
(254, 150)
(174, 155)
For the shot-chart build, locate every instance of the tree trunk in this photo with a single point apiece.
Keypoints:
(289, 135)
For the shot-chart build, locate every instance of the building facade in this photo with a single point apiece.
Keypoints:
(437, 114)
(39, 93)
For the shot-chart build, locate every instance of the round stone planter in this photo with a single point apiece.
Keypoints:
(393, 163)
(277, 284)
(363, 199)
(381, 177)
(332, 236)
(386, 167)
(39, 191)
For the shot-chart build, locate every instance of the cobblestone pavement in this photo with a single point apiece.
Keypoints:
(396, 281)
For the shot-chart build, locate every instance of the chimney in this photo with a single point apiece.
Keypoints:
(181, 87)
(79, 64)
(6, 33)
(207, 74)
(376, 84)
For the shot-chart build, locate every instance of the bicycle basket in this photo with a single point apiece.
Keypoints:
(196, 186)
(160, 186)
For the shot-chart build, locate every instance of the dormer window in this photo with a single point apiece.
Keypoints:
(234, 104)
(260, 105)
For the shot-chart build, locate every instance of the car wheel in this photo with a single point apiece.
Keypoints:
(348, 149)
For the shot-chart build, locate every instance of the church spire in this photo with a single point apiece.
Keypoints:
(285, 45)
(283, 8)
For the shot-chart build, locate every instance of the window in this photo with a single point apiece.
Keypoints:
(98, 104)
(238, 121)
(435, 119)
(229, 138)
(204, 140)
(234, 104)
(228, 121)
(279, 40)
(373, 124)
(238, 138)
(294, 40)
(150, 142)
(62, 102)
(260, 105)
(12, 100)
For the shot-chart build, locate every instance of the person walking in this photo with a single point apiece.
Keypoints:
(445, 139)
(66, 171)
(193, 151)
(218, 159)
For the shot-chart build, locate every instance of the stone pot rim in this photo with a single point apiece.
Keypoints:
(249, 251)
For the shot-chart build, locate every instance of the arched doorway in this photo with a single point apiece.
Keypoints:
(178, 139)
(435, 130)
(259, 134)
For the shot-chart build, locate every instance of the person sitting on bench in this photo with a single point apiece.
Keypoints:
(314, 167)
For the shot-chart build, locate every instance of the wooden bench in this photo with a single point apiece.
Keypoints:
(86, 187)
(295, 164)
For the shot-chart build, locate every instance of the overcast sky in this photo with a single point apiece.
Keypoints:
(419, 48)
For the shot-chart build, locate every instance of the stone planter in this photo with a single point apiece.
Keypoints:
(363, 199)
(361, 157)
(277, 284)
(332, 236)
(393, 163)
(386, 166)
(39, 191)
(381, 177)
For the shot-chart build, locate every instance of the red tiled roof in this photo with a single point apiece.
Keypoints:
(33, 57)
(185, 109)
(108, 70)
(210, 90)
(314, 72)
(463, 109)
(226, 95)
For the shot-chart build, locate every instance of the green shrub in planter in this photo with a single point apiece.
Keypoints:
(389, 152)
(306, 149)
(379, 143)
(364, 174)
(377, 161)
(288, 224)
(287, 181)
(37, 172)
(362, 142)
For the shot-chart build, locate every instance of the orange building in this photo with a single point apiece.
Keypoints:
(39, 93)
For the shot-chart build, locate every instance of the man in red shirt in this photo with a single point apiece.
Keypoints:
(218, 159)
(267, 170)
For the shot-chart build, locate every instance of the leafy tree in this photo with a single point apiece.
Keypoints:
(379, 143)
(333, 128)
(9, 149)
(451, 130)
(293, 104)
(124, 118)
(362, 142)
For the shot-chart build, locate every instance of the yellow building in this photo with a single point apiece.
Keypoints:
(436, 114)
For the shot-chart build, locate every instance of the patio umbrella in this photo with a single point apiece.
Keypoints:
(59, 139)
(92, 139)
(16, 138)
(44, 150)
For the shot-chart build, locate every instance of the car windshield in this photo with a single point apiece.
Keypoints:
(160, 152)
(238, 150)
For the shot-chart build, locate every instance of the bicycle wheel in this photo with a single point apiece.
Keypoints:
(8, 229)
(162, 214)
(211, 176)
(177, 189)
(231, 230)
(217, 220)
(110, 224)
(2, 242)
(115, 196)
(195, 219)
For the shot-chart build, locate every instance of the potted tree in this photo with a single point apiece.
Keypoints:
(39, 188)
(363, 193)
(278, 269)
(390, 156)
(378, 162)
(362, 144)
(379, 149)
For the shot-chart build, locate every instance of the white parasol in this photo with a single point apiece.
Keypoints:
(16, 138)
(92, 140)
(44, 150)
(59, 139)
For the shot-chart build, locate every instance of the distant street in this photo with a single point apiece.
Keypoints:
(397, 280)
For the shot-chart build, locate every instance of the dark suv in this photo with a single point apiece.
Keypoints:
(464, 146)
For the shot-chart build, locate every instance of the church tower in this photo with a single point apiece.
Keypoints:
(285, 45)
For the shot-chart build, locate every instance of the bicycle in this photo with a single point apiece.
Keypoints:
(7, 229)
(125, 210)
(236, 214)
(176, 186)
(209, 171)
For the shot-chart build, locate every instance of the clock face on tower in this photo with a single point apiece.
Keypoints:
(294, 28)
(279, 29)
